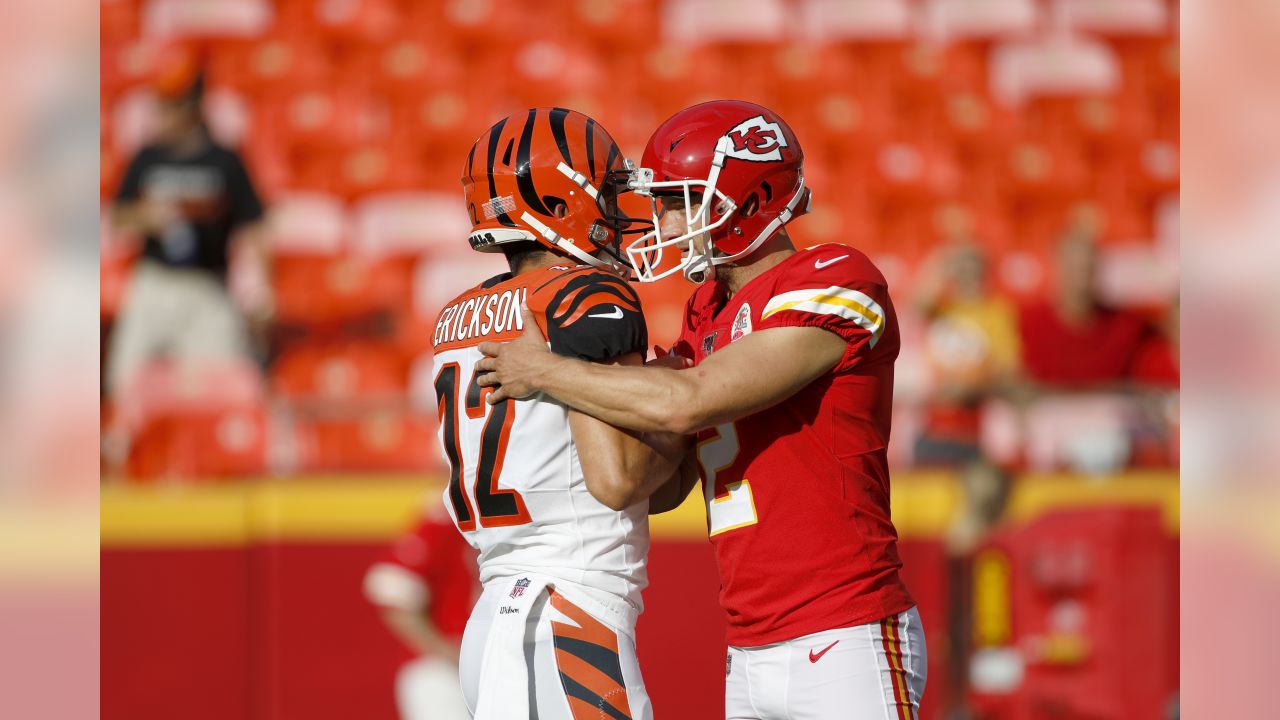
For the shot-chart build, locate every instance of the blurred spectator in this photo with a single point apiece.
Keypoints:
(185, 196)
(425, 587)
(1072, 339)
(1156, 363)
(971, 346)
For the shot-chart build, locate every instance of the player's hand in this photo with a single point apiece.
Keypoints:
(512, 368)
(668, 359)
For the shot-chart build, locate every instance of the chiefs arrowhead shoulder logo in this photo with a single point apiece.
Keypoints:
(757, 140)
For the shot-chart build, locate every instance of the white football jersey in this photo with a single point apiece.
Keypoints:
(516, 488)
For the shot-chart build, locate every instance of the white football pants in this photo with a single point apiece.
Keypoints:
(868, 672)
(532, 650)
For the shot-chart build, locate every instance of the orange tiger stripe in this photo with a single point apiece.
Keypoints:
(595, 301)
(590, 677)
(587, 629)
(562, 309)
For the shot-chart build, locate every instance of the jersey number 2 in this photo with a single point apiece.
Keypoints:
(729, 503)
(496, 508)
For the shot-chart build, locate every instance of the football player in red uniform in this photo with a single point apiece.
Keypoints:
(424, 587)
(788, 386)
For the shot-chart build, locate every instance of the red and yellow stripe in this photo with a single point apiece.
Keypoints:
(891, 638)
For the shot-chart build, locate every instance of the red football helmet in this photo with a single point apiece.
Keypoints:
(548, 176)
(742, 162)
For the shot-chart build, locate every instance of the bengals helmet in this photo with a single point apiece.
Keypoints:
(549, 176)
(742, 162)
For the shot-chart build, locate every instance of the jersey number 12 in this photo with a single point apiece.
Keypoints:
(493, 507)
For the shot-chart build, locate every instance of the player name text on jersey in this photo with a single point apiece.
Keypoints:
(476, 317)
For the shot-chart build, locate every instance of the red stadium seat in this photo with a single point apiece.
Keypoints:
(194, 422)
(340, 371)
(304, 223)
(410, 222)
(692, 22)
(437, 279)
(323, 290)
(1131, 18)
(378, 441)
(119, 19)
(950, 20)
(856, 20)
(263, 66)
(1058, 65)
(206, 18)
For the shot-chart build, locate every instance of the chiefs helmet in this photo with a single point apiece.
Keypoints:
(549, 176)
(742, 162)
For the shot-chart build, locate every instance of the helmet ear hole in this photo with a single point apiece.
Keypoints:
(558, 207)
(750, 207)
(768, 191)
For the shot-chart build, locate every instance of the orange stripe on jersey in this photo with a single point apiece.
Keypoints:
(566, 302)
(588, 662)
(561, 275)
(597, 300)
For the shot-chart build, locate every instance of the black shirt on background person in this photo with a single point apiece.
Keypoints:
(210, 194)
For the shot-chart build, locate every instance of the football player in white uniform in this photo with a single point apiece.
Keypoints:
(555, 501)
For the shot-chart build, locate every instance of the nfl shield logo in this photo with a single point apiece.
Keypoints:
(518, 590)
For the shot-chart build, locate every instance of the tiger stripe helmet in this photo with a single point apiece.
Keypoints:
(550, 176)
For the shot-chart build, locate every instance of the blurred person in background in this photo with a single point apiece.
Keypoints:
(186, 197)
(1072, 339)
(972, 350)
(424, 587)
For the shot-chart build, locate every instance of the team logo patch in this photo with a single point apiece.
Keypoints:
(709, 342)
(741, 323)
(757, 140)
(518, 590)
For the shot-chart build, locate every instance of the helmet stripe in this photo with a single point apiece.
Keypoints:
(591, 147)
(495, 134)
(524, 173)
(556, 118)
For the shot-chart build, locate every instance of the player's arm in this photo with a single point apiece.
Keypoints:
(669, 495)
(622, 467)
(401, 599)
(595, 319)
(754, 373)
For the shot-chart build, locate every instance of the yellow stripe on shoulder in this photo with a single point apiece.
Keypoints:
(853, 305)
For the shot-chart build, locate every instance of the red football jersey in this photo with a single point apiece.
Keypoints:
(798, 494)
(430, 569)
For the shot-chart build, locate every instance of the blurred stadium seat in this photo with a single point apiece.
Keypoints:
(193, 422)
(205, 18)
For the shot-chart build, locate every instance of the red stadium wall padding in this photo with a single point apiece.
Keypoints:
(282, 631)
(175, 634)
(680, 636)
(1081, 598)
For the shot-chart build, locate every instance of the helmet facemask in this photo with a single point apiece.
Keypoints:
(696, 263)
